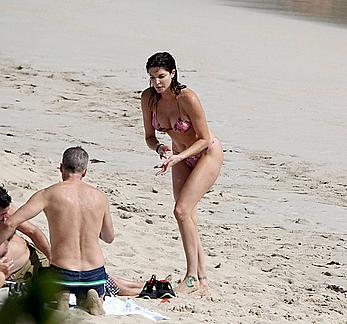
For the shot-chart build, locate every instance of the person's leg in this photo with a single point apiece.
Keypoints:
(187, 227)
(91, 299)
(63, 298)
(189, 187)
(88, 287)
(62, 293)
(94, 303)
(96, 293)
(202, 277)
(128, 287)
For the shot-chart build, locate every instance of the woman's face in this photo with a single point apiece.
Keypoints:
(160, 78)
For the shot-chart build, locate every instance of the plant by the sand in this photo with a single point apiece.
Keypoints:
(31, 306)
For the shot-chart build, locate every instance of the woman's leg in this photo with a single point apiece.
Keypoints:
(186, 224)
(201, 270)
(189, 187)
(202, 277)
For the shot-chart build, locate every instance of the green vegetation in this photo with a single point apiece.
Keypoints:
(31, 305)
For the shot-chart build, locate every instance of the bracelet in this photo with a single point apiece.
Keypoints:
(157, 149)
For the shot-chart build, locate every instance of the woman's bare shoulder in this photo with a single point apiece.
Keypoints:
(145, 98)
(188, 96)
(146, 93)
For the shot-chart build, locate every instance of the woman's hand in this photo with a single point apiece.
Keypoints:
(162, 150)
(168, 163)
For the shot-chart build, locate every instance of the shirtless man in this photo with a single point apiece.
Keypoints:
(20, 260)
(78, 215)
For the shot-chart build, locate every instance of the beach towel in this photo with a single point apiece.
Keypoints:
(118, 306)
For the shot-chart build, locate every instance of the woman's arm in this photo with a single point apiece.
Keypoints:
(151, 140)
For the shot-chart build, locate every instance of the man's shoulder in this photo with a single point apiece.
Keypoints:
(59, 190)
(92, 190)
(52, 189)
(52, 186)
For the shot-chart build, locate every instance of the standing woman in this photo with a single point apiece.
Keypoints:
(197, 156)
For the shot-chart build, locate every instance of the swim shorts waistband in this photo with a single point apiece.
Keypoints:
(87, 278)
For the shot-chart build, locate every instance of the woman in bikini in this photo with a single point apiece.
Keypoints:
(197, 156)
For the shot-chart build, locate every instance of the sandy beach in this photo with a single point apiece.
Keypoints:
(274, 226)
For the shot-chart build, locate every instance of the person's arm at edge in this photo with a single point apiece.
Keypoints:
(150, 138)
(30, 209)
(6, 266)
(2, 279)
(107, 230)
(37, 237)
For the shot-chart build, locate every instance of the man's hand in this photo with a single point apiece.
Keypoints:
(6, 266)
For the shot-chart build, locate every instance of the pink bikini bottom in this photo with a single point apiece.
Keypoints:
(193, 160)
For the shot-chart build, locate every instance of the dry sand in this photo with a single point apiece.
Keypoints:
(274, 225)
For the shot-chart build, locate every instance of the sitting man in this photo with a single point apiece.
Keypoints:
(78, 215)
(19, 259)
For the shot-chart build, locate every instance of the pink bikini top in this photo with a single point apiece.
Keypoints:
(181, 126)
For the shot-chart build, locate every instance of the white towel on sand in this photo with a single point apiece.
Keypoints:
(117, 306)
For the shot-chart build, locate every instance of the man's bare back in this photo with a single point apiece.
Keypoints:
(77, 213)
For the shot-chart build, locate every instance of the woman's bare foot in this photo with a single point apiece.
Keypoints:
(203, 286)
(188, 285)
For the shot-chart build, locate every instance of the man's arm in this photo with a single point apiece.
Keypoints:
(5, 269)
(2, 279)
(5, 264)
(37, 237)
(107, 230)
(30, 209)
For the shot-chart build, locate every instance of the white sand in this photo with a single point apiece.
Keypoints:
(274, 92)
